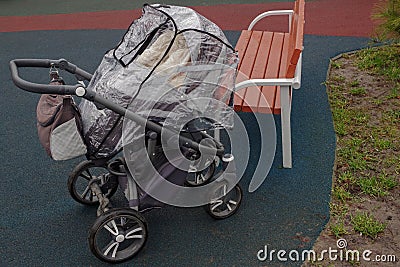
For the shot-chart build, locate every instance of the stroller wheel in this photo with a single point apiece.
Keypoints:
(83, 175)
(201, 177)
(118, 235)
(227, 205)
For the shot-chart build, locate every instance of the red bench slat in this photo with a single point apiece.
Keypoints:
(241, 48)
(242, 43)
(282, 72)
(268, 101)
(246, 67)
(253, 93)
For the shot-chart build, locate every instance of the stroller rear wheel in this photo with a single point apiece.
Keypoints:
(86, 173)
(227, 205)
(118, 235)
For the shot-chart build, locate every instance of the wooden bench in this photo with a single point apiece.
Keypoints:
(269, 67)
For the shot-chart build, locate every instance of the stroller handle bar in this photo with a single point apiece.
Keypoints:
(47, 88)
(218, 149)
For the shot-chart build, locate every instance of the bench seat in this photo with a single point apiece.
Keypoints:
(263, 55)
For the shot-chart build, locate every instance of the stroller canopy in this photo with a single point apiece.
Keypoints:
(171, 66)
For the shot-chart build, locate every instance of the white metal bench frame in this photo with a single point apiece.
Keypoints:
(285, 85)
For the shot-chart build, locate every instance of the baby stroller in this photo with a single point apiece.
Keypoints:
(152, 117)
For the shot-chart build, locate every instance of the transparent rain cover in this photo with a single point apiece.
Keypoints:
(171, 65)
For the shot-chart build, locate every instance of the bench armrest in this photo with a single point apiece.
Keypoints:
(271, 13)
(295, 82)
(265, 82)
(297, 74)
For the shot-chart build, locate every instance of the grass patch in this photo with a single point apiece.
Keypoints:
(355, 83)
(337, 210)
(367, 225)
(352, 158)
(394, 93)
(382, 144)
(358, 162)
(392, 161)
(377, 186)
(338, 229)
(347, 178)
(335, 64)
(358, 91)
(341, 194)
(381, 60)
(338, 78)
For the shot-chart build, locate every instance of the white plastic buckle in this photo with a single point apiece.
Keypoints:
(80, 91)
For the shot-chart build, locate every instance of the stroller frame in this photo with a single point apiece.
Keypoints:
(127, 225)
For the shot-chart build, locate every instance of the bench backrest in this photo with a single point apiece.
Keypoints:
(296, 38)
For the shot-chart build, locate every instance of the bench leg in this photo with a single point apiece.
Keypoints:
(285, 123)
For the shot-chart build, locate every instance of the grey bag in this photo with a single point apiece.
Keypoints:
(59, 127)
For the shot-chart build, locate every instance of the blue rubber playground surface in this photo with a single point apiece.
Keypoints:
(41, 225)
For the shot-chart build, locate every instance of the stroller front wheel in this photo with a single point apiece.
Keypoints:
(227, 205)
(118, 235)
(201, 177)
(86, 173)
